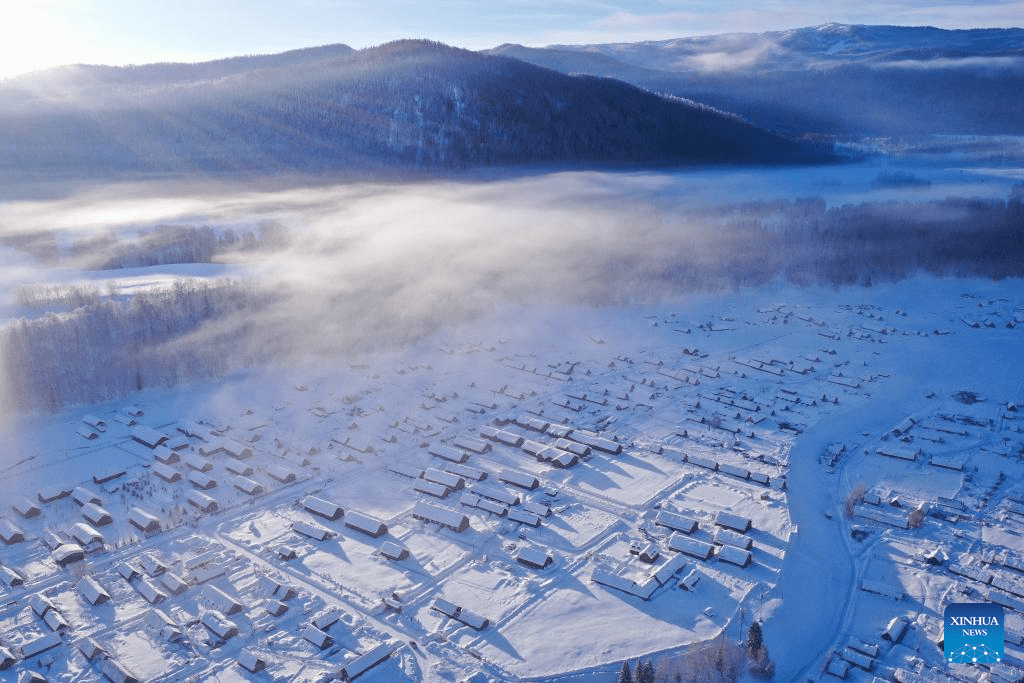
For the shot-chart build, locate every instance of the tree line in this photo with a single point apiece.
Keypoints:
(719, 660)
(86, 344)
(109, 348)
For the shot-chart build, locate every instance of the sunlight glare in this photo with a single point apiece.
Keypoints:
(32, 37)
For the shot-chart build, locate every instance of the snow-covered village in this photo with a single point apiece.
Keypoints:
(508, 342)
(524, 499)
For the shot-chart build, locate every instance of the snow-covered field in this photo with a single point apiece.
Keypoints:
(717, 403)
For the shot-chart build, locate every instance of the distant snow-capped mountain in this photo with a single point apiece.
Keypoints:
(830, 45)
(837, 79)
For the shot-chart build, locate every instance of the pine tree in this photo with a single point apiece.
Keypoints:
(645, 671)
(755, 640)
(625, 675)
(761, 666)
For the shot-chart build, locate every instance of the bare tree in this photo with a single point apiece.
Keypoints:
(856, 496)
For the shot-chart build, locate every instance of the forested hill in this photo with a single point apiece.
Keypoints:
(404, 105)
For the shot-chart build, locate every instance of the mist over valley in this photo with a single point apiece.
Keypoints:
(418, 363)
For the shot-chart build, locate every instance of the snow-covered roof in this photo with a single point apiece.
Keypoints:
(83, 496)
(575, 447)
(393, 551)
(203, 501)
(729, 537)
(127, 571)
(87, 433)
(109, 474)
(173, 583)
(148, 436)
(152, 564)
(534, 557)
(90, 649)
(10, 533)
(85, 535)
(452, 481)
(166, 472)
(35, 645)
(247, 485)
(690, 546)
(521, 479)
(365, 523)
(734, 555)
(252, 661)
(25, 507)
(675, 521)
(509, 438)
(165, 455)
(448, 453)
(281, 473)
(354, 668)
(893, 631)
(317, 637)
(218, 624)
(221, 601)
(440, 515)
(612, 580)
(67, 553)
(56, 621)
(196, 462)
(486, 504)
(151, 593)
(143, 520)
(732, 521)
(275, 607)
(177, 443)
(314, 531)
(40, 603)
(236, 450)
(92, 591)
(201, 480)
(670, 568)
(532, 422)
(470, 443)
(517, 514)
(539, 509)
(430, 488)
(498, 493)
(211, 447)
(597, 442)
(96, 514)
(838, 667)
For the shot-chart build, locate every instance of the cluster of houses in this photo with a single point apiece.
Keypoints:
(492, 472)
(730, 544)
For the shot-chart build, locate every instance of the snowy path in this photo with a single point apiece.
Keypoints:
(819, 576)
(329, 595)
(817, 573)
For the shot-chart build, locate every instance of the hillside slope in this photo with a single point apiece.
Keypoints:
(409, 105)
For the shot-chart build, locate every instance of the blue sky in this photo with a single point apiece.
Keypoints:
(36, 34)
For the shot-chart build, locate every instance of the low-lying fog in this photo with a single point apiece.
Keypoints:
(313, 271)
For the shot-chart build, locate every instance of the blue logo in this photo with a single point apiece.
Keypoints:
(973, 633)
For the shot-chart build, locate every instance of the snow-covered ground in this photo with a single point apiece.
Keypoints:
(720, 403)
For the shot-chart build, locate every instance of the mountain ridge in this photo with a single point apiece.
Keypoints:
(409, 104)
(836, 80)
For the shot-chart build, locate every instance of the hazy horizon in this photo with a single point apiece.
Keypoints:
(110, 32)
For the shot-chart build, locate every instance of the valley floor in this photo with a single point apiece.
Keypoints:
(680, 470)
